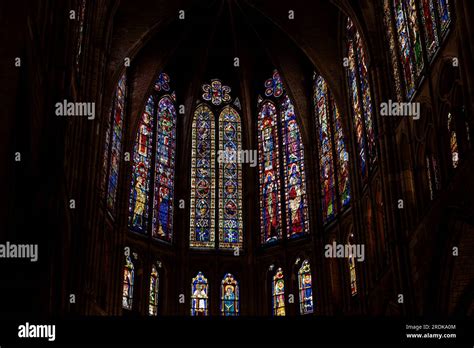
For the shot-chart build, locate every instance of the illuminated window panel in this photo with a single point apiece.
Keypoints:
(203, 181)
(305, 288)
(229, 296)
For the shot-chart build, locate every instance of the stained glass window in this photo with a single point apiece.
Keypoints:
(229, 296)
(113, 145)
(408, 41)
(142, 158)
(352, 268)
(162, 83)
(154, 289)
(162, 226)
(269, 171)
(444, 14)
(333, 156)
(297, 222)
(229, 174)
(155, 147)
(128, 283)
(429, 26)
(278, 293)
(453, 143)
(216, 92)
(271, 130)
(202, 228)
(274, 85)
(361, 100)
(404, 37)
(199, 295)
(342, 158)
(230, 180)
(305, 287)
(415, 33)
(392, 40)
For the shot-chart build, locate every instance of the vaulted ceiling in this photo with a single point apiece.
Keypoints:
(204, 44)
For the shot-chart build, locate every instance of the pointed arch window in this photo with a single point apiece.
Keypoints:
(128, 283)
(352, 267)
(405, 20)
(229, 296)
(153, 291)
(152, 191)
(142, 157)
(333, 156)
(230, 180)
(113, 145)
(278, 293)
(269, 171)
(228, 170)
(305, 287)
(202, 222)
(278, 129)
(297, 222)
(162, 222)
(360, 98)
(199, 295)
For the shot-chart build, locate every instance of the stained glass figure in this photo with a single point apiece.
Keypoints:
(199, 295)
(344, 187)
(113, 144)
(278, 293)
(152, 184)
(352, 267)
(305, 287)
(361, 102)
(405, 46)
(128, 284)
(154, 292)
(269, 172)
(142, 157)
(393, 42)
(297, 221)
(415, 33)
(333, 156)
(405, 41)
(325, 147)
(229, 296)
(429, 26)
(162, 223)
(277, 122)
